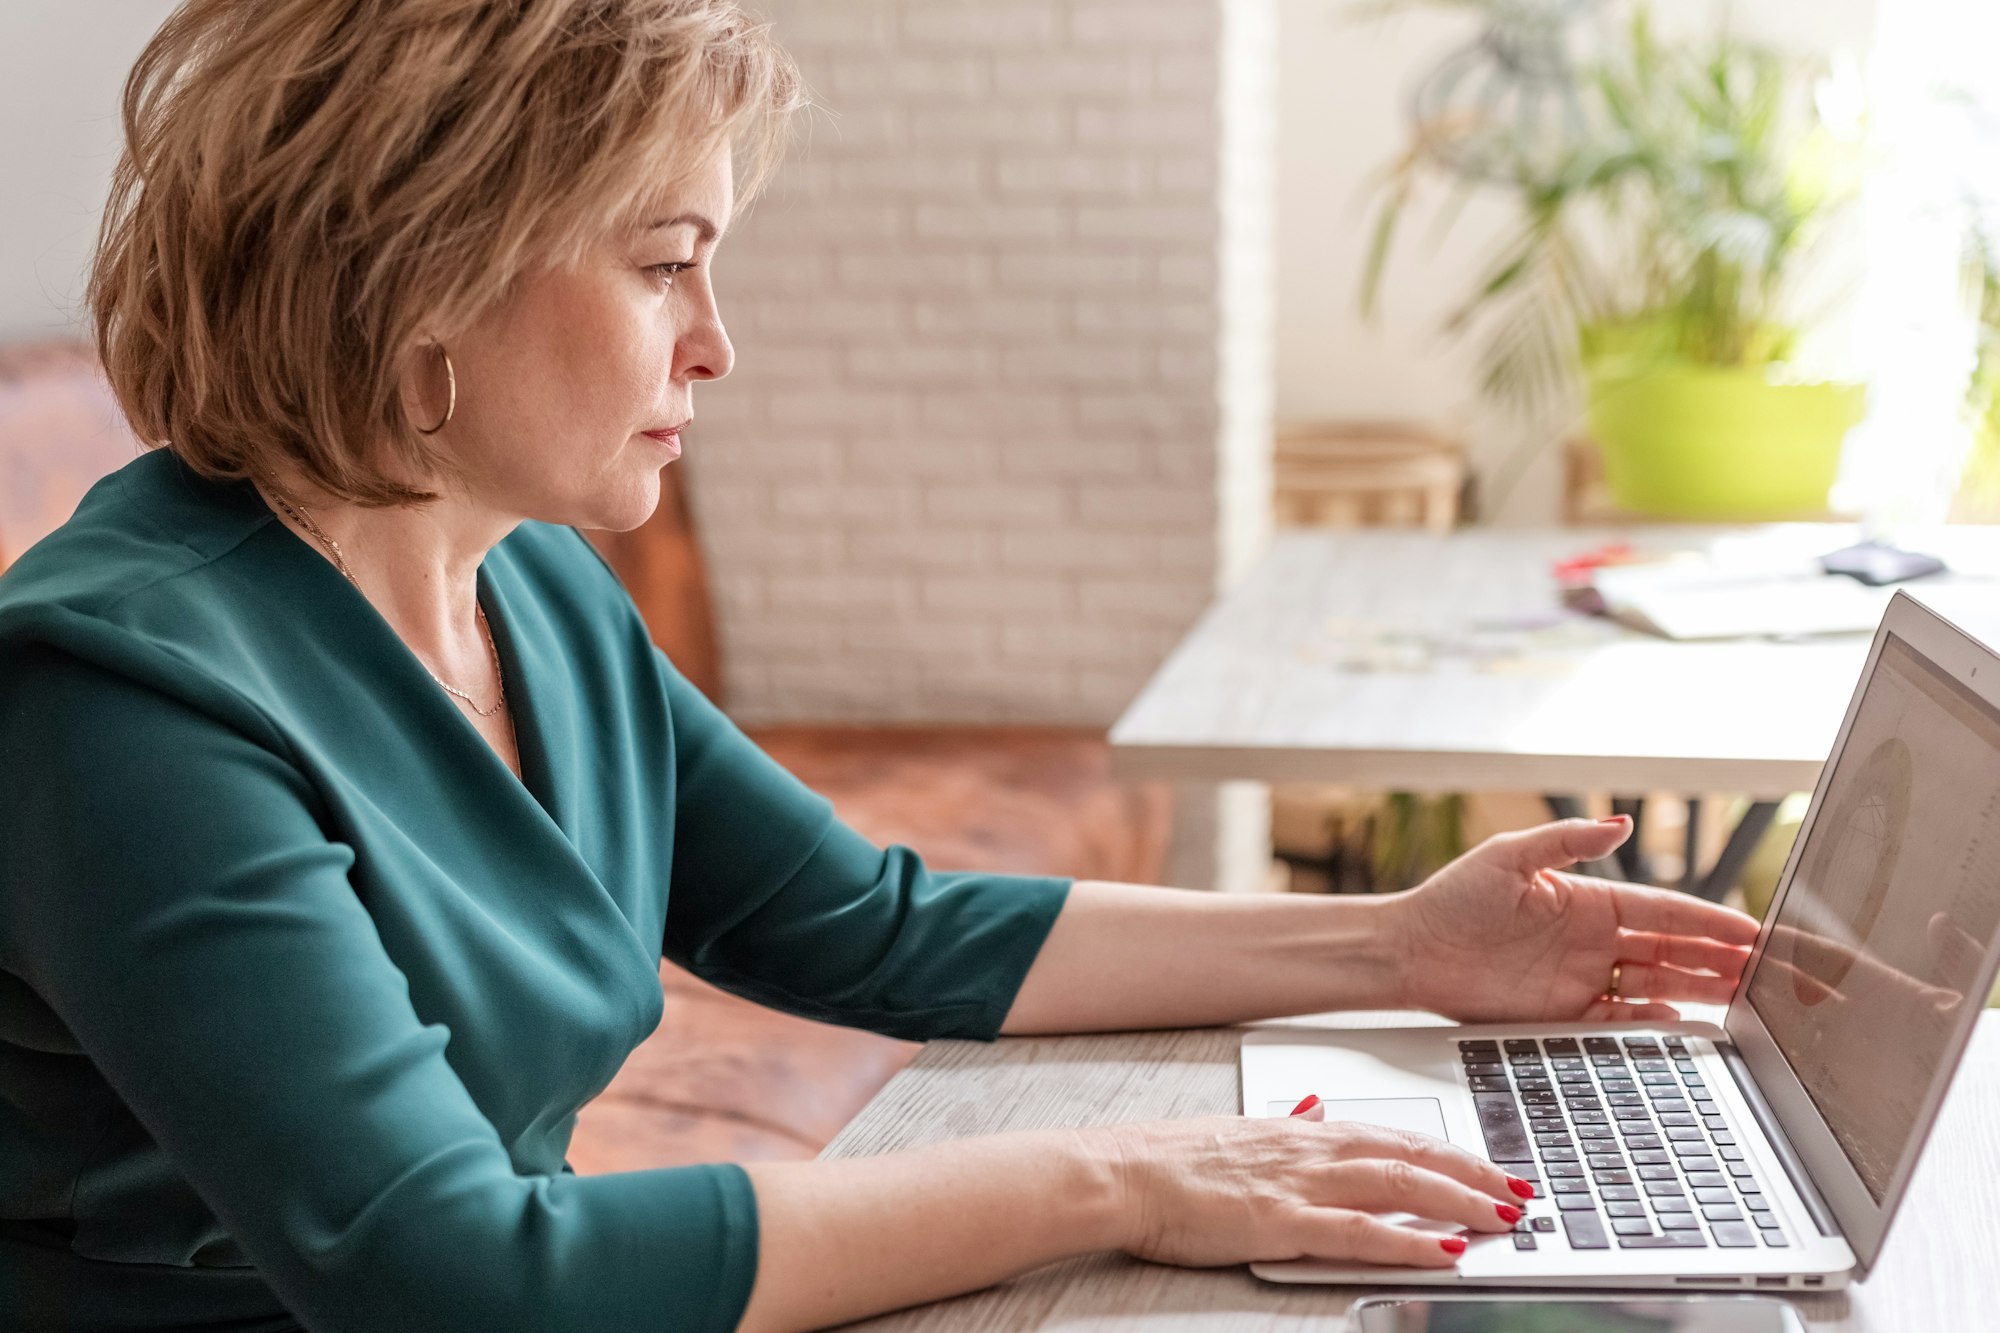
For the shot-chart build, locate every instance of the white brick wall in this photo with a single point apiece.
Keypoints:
(974, 460)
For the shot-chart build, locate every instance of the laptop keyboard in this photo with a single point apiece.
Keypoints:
(1624, 1137)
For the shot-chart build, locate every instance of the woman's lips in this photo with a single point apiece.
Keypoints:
(670, 438)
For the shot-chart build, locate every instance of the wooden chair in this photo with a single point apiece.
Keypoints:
(1366, 474)
(721, 1079)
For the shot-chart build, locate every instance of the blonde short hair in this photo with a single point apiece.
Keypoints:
(310, 185)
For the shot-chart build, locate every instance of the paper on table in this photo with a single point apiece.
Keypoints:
(1696, 600)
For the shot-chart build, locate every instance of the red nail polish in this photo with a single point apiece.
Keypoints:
(1508, 1212)
(1312, 1100)
(1521, 1187)
(1616, 819)
(1452, 1245)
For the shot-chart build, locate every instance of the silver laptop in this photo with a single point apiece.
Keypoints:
(1773, 1151)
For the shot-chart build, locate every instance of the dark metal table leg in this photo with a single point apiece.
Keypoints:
(1631, 856)
(1691, 846)
(1743, 840)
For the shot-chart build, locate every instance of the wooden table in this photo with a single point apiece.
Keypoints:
(1394, 660)
(1938, 1272)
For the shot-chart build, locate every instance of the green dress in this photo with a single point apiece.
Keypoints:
(301, 988)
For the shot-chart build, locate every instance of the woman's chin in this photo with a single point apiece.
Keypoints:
(629, 508)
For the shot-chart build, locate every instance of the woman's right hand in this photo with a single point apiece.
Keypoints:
(1240, 1189)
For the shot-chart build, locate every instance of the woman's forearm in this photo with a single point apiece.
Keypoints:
(841, 1240)
(1124, 956)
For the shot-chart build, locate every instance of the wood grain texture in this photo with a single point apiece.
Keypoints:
(1373, 658)
(1938, 1273)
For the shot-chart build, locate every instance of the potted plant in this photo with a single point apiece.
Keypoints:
(1663, 221)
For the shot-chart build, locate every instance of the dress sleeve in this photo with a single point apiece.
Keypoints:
(774, 898)
(167, 887)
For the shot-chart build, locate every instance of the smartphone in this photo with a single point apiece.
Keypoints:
(1574, 1314)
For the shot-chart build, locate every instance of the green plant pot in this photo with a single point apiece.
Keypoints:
(1707, 442)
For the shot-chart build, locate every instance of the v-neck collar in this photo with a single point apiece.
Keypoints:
(521, 667)
(519, 663)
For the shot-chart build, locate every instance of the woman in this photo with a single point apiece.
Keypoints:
(349, 810)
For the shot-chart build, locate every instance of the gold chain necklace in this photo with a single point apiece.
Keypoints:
(299, 515)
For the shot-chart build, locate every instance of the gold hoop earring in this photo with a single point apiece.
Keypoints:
(451, 389)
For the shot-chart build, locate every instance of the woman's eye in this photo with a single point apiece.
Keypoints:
(666, 272)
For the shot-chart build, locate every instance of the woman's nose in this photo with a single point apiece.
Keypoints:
(704, 352)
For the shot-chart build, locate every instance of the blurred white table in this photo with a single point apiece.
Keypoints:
(1395, 660)
(1937, 1273)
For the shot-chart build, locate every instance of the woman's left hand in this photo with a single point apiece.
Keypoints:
(1502, 934)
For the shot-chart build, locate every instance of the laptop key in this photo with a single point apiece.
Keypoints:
(1625, 1208)
(1663, 1189)
(1570, 1185)
(1723, 1138)
(1553, 1140)
(1722, 1213)
(1733, 1235)
(1724, 1195)
(1731, 1153)
(1490, 1083)
(1672, 1203)
(1585, 1231)
(1601, 1046)
(1500, 1125)
(1672, 1221)
(1520, 1045)
(1625, 1192)
(1775, 1240)
(1706, 1180)
(1755, 1202)
(1768, 1221)
(1631, 1226)
(1665, 1240)
(1613, 1177)
(1741, 1170)
(1609, 1161)
(1560, 1045)
(1674, 1120)
(1656, 1173)
(1650, 1157)
(1543, 1223)
(1715, 1122)
(1479, 1045)
(1566, 1153)
(1574, 1203)
(1524, 1241)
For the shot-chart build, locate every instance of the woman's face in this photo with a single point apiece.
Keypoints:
(559, 384)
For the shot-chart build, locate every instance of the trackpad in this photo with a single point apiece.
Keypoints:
(1421, 1115)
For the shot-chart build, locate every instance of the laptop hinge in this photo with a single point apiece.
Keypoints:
(1767, 1120)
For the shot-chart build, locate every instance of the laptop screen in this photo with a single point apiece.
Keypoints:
(1861, 998)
